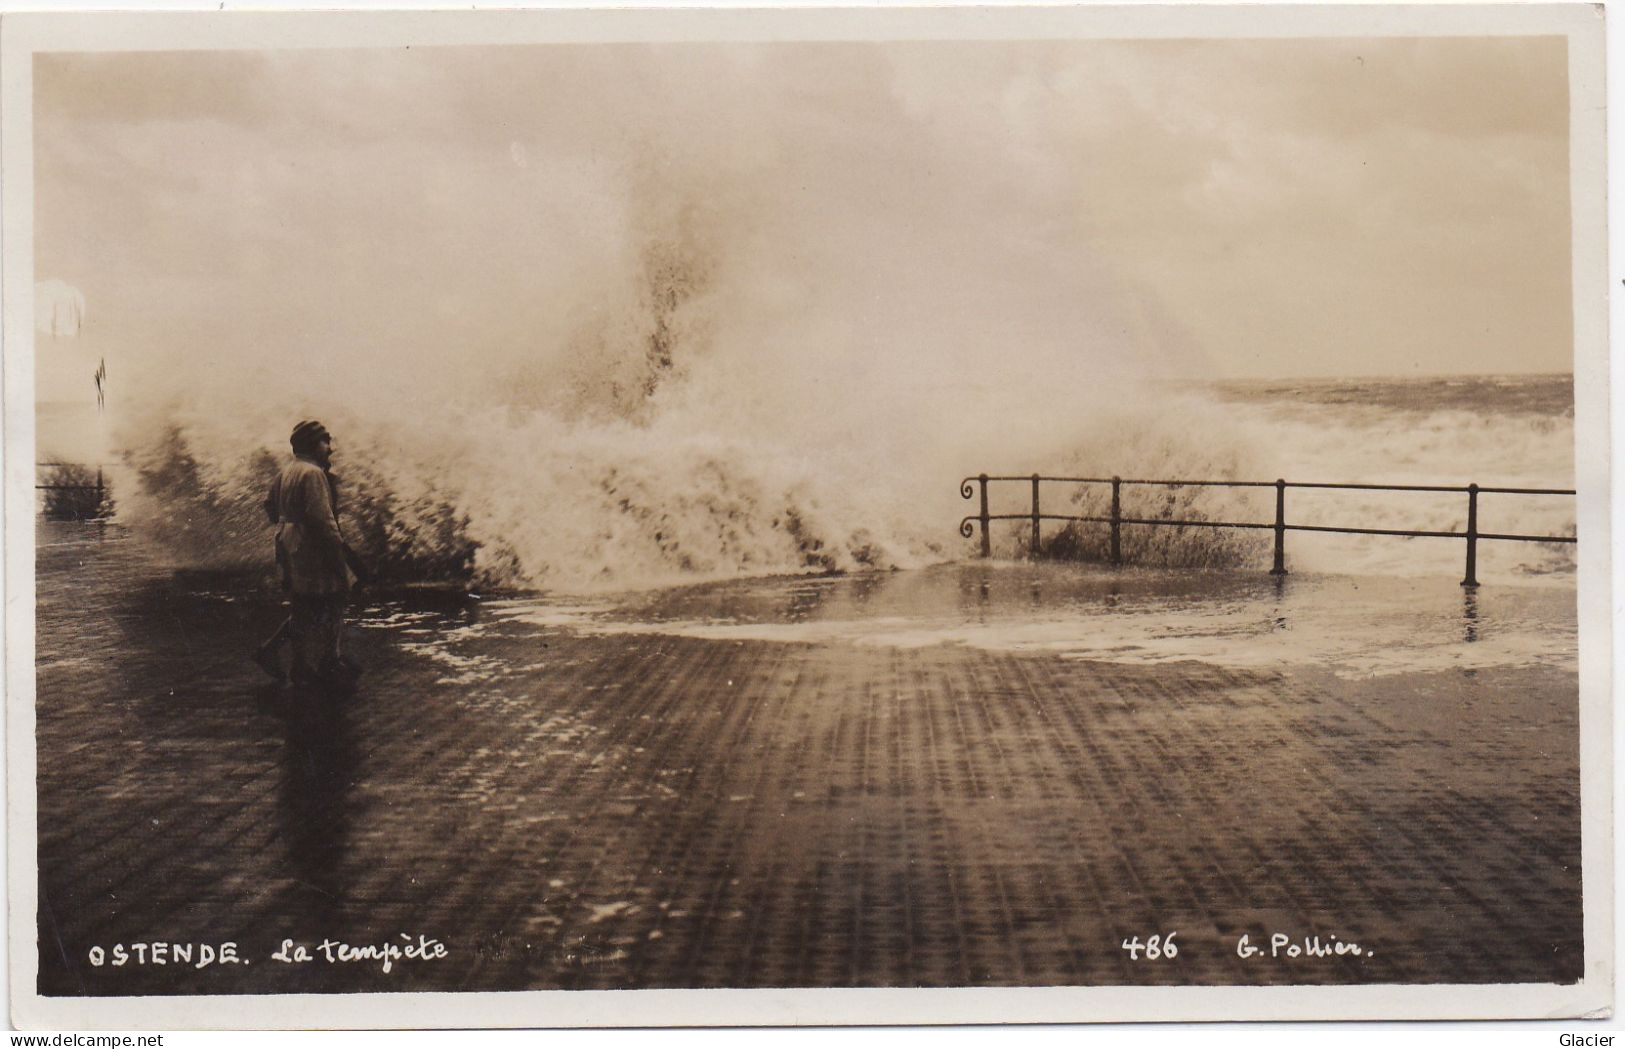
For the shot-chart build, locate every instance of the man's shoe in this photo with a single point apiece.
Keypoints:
(266, 659)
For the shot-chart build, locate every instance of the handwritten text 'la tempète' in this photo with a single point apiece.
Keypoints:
(424, 948)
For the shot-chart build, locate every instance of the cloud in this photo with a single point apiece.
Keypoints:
(398, 201)
(133, 87)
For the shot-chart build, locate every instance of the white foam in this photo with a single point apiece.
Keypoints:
(1353, 628)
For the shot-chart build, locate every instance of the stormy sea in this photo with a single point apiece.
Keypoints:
(651, 707)
(611, 515)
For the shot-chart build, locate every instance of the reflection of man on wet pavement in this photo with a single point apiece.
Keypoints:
(313, 560)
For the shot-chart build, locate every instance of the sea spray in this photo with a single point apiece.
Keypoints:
(1162, 436)
(1495, 431)
(763, 327)
(533, 499)
(683, 313)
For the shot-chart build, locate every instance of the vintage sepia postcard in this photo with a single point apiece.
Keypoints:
(806, 516)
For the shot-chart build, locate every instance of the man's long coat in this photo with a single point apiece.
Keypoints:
(309, 544)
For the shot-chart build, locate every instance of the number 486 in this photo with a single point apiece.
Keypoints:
(1154, 948)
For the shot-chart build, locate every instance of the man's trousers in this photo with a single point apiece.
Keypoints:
(318, 630)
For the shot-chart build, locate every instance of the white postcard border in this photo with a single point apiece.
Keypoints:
(21, 35)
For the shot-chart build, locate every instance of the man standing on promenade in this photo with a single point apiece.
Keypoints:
(313, 560)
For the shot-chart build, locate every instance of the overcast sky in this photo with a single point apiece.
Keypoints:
(1274, 208)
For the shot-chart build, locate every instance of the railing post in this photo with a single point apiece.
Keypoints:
(1117, 521)
(1035, 518)
(987, 542)
(1472, 537)
(1280, 528)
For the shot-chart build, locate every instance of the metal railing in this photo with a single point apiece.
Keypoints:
(70, 507)
(968, 489)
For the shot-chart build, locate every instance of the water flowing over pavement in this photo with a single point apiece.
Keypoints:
(968, 775)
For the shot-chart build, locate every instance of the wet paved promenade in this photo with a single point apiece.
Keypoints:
(568, 810)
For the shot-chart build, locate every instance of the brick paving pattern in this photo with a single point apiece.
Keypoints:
(649, 811)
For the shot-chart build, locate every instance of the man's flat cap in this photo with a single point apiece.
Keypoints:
(308, 433)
